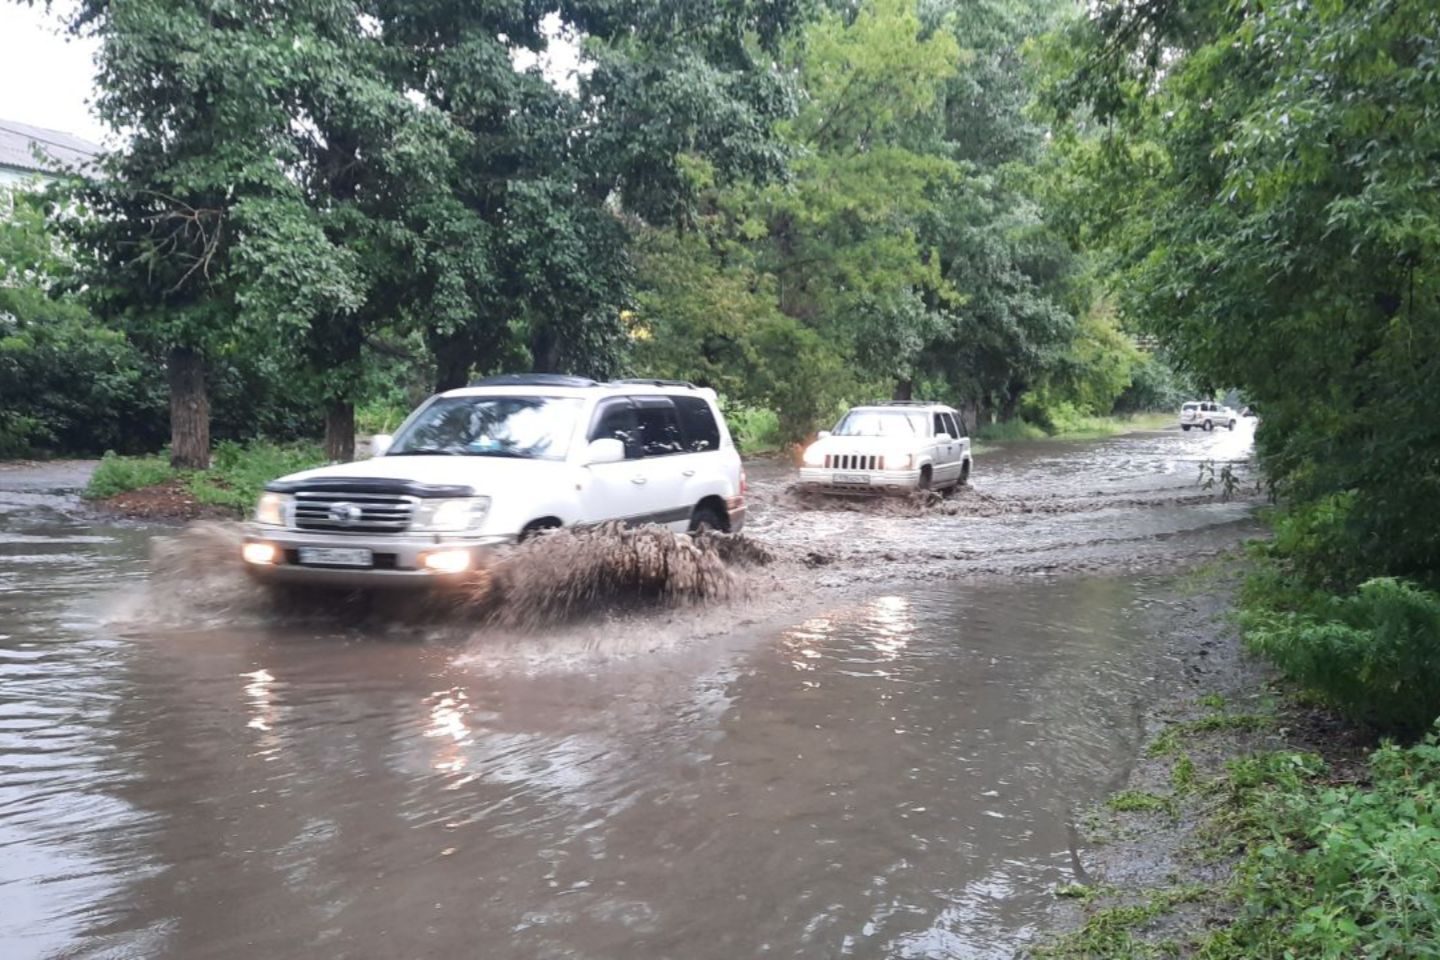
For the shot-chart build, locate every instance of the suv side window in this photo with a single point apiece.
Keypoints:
(951, 426)
(697, 422)
(940, 425)
(616, 419)
(659, 426)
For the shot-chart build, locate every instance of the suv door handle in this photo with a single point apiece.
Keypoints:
(640, 480)
(689, 473)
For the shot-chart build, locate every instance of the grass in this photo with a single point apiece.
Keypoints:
(1137, 801)
(1079, 428)
(237, 474)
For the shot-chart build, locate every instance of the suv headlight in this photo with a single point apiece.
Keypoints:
(814, 457)
(273, 510)
(899, 461)
(450, 516)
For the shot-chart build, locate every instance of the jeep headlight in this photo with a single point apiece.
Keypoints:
(273, 510)
(899, 461)
(814, 457)
(450, 516)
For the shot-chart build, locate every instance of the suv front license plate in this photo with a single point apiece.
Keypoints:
(336, 557)
(855, 478)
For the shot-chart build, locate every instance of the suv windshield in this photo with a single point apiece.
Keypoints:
(535, 428)
(882, 423)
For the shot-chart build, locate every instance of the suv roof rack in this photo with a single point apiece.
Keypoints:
(908, 403)
(534, 380)
(650, 382)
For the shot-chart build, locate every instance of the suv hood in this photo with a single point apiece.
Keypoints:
(483, 474)
(866, 445)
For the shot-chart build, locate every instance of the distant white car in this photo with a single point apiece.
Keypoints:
(890, 447)
(1206, 415)
(497, 462)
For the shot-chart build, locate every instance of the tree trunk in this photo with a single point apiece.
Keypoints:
(455, 357)
(340, 431)
(544, 351)
(904, 389)
(189, 410)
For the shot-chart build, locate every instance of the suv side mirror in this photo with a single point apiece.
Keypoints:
(823, 435)
(380, 443)
(604, 450)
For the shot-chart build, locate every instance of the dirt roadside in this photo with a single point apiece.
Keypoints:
(1154, 855)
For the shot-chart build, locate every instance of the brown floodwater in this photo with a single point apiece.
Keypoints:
(885, 762)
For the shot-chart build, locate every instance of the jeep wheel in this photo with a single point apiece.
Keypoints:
(926, 476)
(1185, 427)
(707, 519)
(964, 475)
(1209, 425)
(536, 527)
(1232, 424)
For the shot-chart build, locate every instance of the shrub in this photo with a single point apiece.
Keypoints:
(119, 474)
(755, 430)
(1374, 655)
(239, 473)
(1341, 871)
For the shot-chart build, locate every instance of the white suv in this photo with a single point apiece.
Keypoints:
(903, 445)
(1206, 415)
(494, 463)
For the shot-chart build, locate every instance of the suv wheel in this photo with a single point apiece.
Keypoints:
(926, 476)
(1209, 425)
(1185, 427)
(706, 518)
(536, 527)
(964, 474)
(1232, 424)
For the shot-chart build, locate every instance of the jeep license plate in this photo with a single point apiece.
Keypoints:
(852, 478)
(336, 557)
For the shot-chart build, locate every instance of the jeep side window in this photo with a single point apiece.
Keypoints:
(950, 426)
(697, 423)
(940, 425)
(616, 419)
(659, 426)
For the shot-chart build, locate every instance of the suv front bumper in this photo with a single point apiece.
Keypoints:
(859, 481)
(398, 560)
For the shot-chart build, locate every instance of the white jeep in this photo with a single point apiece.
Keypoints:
(1206, 415)
(495, 463)
(890, 447)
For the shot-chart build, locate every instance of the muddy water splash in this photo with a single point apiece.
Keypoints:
(197, 574)
(567, 574)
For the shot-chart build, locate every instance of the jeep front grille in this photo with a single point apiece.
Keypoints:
(848, 461)
(353, 512)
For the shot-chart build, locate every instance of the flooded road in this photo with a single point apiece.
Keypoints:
(888, 769)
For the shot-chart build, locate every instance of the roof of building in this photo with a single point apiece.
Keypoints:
(18, 142)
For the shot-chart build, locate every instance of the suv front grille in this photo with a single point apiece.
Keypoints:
(848, 461)
(353, 512)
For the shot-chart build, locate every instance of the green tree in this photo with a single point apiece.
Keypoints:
(1263, 178)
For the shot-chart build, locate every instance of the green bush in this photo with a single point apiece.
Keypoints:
(1374, 655)
(117, 474)
(1338, 871)
(238, 474)
(754, 430)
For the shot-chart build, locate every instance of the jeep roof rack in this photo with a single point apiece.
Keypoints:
(534, 380)
(651, 382)
(907, 403)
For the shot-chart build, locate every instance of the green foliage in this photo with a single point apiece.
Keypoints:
(238, 474)
(1337, 871)
(1257, 179)
(1374, 654)
(755, 430)
(1136, 801)
(67, 383)
(115, 475)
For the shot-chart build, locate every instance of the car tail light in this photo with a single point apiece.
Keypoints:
(744, 484)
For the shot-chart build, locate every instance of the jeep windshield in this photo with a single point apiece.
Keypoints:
(530, 428)
(882, 423)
